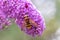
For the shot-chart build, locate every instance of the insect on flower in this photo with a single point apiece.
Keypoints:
(29, 22)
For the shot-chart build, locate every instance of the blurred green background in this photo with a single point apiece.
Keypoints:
(52, 31)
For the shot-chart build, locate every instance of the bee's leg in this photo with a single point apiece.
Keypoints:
(23, 27)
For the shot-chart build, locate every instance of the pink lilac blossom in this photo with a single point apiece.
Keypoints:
(3, 21)
(17, 9)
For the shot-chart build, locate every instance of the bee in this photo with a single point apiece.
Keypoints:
(29, 22)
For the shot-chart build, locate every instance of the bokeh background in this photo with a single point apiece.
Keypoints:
(50, 9)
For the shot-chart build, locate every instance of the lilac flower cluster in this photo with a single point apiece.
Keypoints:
(4, 21)
(17, 10)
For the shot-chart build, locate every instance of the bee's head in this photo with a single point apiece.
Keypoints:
(26, 17)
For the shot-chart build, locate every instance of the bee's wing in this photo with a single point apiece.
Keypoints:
(33, 23)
